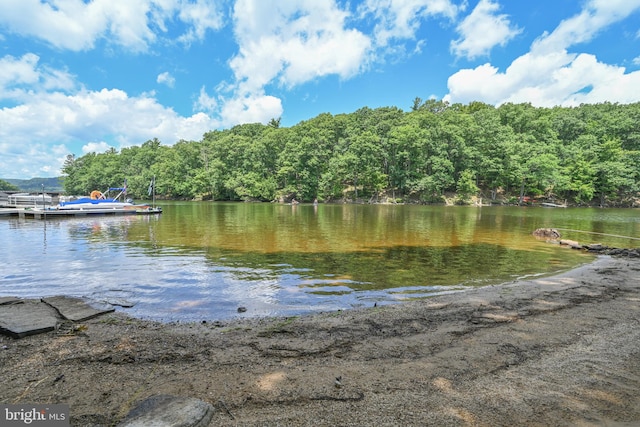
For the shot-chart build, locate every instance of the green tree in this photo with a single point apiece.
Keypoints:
(305, 156)
(5, 186)
(466, 186)
(177, 169)
(614, 176)
(585, 154)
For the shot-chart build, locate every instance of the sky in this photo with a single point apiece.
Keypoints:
(81, 76)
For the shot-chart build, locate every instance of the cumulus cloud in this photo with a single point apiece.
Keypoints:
(294, 42)
(554, 79)
(77, 25)
(595, 16)
(287, 43)
(549, 74)
(290, 43)
(21, 76)
(401, 19)
(32, 160)
(205, 102)
(482, 30)
(201, 16)
(96, 147)
(166, 78)
(41, 104)
(73, 119)
(252, 108)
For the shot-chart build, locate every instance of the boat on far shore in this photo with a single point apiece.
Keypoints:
(98, 201)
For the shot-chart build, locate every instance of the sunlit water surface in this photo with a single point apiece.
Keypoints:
(202, 261)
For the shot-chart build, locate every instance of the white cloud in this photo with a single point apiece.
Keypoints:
(288, 43)
(29, 128)
(251, 108)
(31, 160)
(166, 78)
(77, 25)
(20, 76)
(294, 42)
(482, 30)
(595, 16)
(42, 105)
(553, 79)
(96, 147)
(205, 102)
(548, 74)
(202, 15)
(14, 71)
(400, 19)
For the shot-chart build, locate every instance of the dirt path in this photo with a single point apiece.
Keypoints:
(554, 351)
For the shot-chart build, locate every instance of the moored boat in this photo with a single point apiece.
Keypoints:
(28, 199)
(104, 201)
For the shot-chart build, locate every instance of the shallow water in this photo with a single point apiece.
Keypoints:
(201, 261)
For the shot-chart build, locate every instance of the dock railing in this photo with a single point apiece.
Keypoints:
(26, 200)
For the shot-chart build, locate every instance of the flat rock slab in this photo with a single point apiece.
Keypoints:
(29, 318)
(9, 300)
(169, 411)
(76, 309)
(22, 317)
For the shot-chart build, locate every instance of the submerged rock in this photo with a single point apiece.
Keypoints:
(549, 233)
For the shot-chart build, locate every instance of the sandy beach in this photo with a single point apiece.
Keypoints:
(562, 350)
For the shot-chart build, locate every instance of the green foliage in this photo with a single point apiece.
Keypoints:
(31, 185)
(4, 185)
(466, 186)
(587, 155)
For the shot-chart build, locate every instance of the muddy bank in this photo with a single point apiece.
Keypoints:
(554, 351)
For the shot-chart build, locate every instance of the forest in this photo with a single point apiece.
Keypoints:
(586, 155)
(33, 184)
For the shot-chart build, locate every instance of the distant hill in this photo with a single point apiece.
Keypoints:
(35, 184)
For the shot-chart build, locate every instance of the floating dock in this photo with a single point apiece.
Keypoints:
(61, 213)
(42, 206)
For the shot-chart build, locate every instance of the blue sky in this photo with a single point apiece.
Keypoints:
(83, 76)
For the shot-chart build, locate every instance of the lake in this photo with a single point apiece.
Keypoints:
(201, 261)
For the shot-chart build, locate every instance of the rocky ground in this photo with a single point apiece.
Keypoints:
(553, 351)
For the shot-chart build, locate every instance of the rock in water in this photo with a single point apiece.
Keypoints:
(549, 233)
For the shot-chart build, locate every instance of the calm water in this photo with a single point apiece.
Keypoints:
(201, 261)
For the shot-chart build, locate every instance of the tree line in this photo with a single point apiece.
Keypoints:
(32, 185)
(586, 155)
(7, 186)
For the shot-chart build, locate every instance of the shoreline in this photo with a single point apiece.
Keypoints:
(555, 350)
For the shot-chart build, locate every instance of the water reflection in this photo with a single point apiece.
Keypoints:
(200, 261)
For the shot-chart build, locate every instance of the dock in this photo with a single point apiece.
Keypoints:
(37, 213)
(42, 206)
